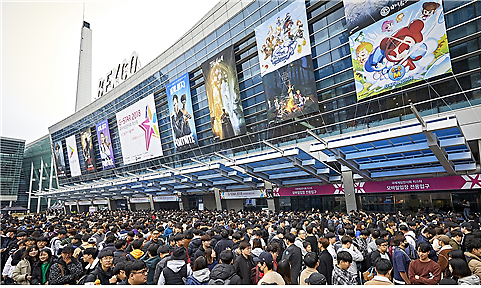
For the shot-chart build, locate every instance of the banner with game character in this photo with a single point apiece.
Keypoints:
(181, 114)
(105, 144)
(88, 150)
(223, 96)
(59, 158)
(395, 43)
(283, 38)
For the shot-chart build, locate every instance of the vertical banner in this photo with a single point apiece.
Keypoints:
(59, 159)
(139, 131)
(222, 88)
(73, 156)
(396, 43)
(286, 65)
(181, 114)
(105, 144)
(88, 150)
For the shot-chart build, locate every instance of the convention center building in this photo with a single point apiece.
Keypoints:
(288, 105)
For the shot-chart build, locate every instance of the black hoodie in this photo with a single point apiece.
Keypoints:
(224, 272)
(100, 274)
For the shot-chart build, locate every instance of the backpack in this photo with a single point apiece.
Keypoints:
(220, 281)
(255, 275)
(192, 281)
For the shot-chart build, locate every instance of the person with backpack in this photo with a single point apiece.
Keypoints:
(56, 241)
(473, 256)
(103, 272)
(164, 253)
(151, 260)
(380, 253)
(120, 246)
(201, 272)
(294, 255)
(136, 253)
(244, 263)
(424, 271)
(90, 257)
(224, 272)
(265, 262)
(279, 240)
(177, 270)
(67, 270)
(400, 260)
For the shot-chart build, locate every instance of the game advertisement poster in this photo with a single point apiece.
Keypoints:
(105, 144)
(181, 113)
(283, 38)
(395, 43)
(139, 131)
(73, 156)
(222, 88)
(290, 91)
(88, 150)
(59, 159)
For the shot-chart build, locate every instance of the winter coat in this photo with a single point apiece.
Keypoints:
(71, 272)
(282, 247)
(119, 253)
(110, 246)
(100, 274)
(225, 271)
(222, 245)
(216, 238)
(159, 267)
(326, 265)
(21, 271)
(294, 255)
(242, 267)
(37, 272)
(198, 253)
(199, 277)
(443, 257)
(474, 263)
(469, 280)
(174, 273)
(151, 264)
(193, 246)
(257, 251)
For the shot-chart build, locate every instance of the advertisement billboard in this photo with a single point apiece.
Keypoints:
(105, 144)
(59, 159)
(167, 198)
(243, 194)
(88, 150)
(73, 156)
(396, 43)
(222, 88)
(283, 38)
(139, 131)
(181, 114)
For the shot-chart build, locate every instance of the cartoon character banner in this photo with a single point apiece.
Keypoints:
(88, 150)
(283, 38)
(105, 144)
(139, 131)
(222, 88)
(181, 114)
(400, 48)
(73, 156)
(290, 91)
(59, 159)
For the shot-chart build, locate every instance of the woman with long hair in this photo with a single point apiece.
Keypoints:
(41, 268)
(256, 247)
(209, 255)
(22, 274)
(201, 272)
(284, 268)
(460, 270)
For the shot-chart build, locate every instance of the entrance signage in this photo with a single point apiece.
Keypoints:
(243, 194)
(167, 198)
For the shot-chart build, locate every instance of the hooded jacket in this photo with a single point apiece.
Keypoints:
(193, 246)
(198, 253)
(201, 276)
(474, 263)
(160, 266)
(469, 280)
(174, 273)
(225, 271)
(100, 274)
(21, 271)
(222, 245)
(71, 272)
(136, 254)
(443, 257)
(37, 272)
(151, 264)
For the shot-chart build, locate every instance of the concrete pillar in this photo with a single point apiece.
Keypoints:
(78, 208)
(181, 201)
(218, 203)
(40, 185)
(271, 205)
(128, 204)
(49, 203)
(349, 195)
(151, 201)
(209, 201)
(30, 189)
(108, 204)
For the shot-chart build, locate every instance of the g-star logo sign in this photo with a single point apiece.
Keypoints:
(72, 150)
(150, 126)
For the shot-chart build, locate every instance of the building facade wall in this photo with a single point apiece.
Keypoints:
(11, 152)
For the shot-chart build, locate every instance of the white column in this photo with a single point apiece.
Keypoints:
(128, 204)
(349, 196)
(50, 182)
(108, 204)
(218, 203)
(30, 189)
(40, 185)
(151, 199)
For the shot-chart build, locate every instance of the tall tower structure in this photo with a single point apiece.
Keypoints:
(84, 80)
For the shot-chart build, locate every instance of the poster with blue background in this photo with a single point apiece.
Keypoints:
(105, 144)
(406, 44)
(181, 113)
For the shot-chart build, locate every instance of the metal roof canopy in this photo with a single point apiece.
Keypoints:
(423, 148)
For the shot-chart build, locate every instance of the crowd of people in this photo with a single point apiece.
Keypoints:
(235, 248)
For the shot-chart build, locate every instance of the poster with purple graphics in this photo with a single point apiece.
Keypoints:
(395, 43)
(105, 144)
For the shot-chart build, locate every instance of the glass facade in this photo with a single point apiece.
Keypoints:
(339, 113)
(11, 152)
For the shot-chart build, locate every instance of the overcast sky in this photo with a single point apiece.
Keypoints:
(40, 52)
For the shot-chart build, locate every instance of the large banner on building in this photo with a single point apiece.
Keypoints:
(286, 65)
(139, 131)
(222, 88)
(105, 144)
(181, 114)
(88, 150)
(283, 38)
(59, 159)
(72, 153)
(395, 43)
(166, 198)
(243, 194)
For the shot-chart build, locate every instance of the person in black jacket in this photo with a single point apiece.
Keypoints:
(381, 252)
(194, 244)
(120, 246)
(66, 270)
(110, 243)
(41, 269)
(325, 260)
(293, 254)
(224, 243)
(311, 238)
(103, 271)
(205, 240)
(279, 240)
(136, 273)
(244, 263)
(177, 270)
(224, 271)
